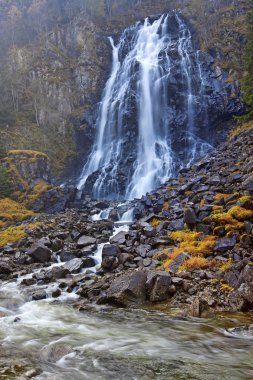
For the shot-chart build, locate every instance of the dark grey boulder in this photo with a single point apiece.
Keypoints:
(74, 266)
(225, 244)
(56, 293)
(119, 238)
(39, 295)
(110, 250)
(113, 215)
(39, 253)
(143, 249)
(248, 184)
(147, 262)
(5, 268)
(149, 231)
(176, 225)
(67, 256)
(85, 241)
(190, 216)
(178, 261)
(158, 286)
(58, 272)
(89, 262)
(127, 289)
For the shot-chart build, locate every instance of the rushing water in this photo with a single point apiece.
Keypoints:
(105, 343)
(133, 124)
(119, 344)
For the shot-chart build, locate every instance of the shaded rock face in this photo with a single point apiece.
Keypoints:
(195, 100)
(31, 166)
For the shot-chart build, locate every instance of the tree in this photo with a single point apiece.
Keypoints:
(6, 186)
(247, 82)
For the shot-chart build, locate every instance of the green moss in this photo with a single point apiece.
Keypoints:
(12, 212)
(6, 184)
(13, 234)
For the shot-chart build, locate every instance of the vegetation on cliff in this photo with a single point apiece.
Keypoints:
(54, 60)
(247, 81)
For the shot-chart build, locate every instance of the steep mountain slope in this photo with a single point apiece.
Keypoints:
(55, 59)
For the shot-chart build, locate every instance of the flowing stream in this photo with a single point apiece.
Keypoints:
(153, 64)
(118, 344)
(106, 343)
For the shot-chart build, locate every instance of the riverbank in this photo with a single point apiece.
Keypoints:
(191, 245)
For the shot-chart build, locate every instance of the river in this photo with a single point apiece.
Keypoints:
(106, 343)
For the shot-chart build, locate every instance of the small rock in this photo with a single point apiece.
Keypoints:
(176, 225)
(28, 281)
(54, 352)
(178, 261)
(190, 217)
(5, 268)
(89, 262)
(56, 293)
(199, 308)
(147, 262)
(39, 295)
(248, 184)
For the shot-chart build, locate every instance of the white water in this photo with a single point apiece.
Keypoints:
(128, 216)
(119, 344)
(102, 215)
(136, 94)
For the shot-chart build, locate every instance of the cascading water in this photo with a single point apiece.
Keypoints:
(155, 87)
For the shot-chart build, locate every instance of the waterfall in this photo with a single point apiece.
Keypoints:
(135, 149)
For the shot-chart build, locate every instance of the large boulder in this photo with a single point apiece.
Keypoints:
(242, 298)
(58, 272)
(40, 253)
(119, 238)
(225, 244)
(158, 285)
(74, 266)
(127, 289)
(85, 241)
(110, 250)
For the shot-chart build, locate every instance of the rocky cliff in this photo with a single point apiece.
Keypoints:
(56, 72)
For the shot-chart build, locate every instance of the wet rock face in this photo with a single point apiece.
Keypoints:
(190, 127)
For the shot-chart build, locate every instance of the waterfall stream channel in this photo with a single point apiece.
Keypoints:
(53, 339)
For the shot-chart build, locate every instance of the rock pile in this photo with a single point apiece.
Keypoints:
(191, 246)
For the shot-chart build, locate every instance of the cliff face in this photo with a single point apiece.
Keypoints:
(50, 80)
(56, 79)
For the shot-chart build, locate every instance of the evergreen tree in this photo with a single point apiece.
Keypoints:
(247, 82)
(6, 186)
